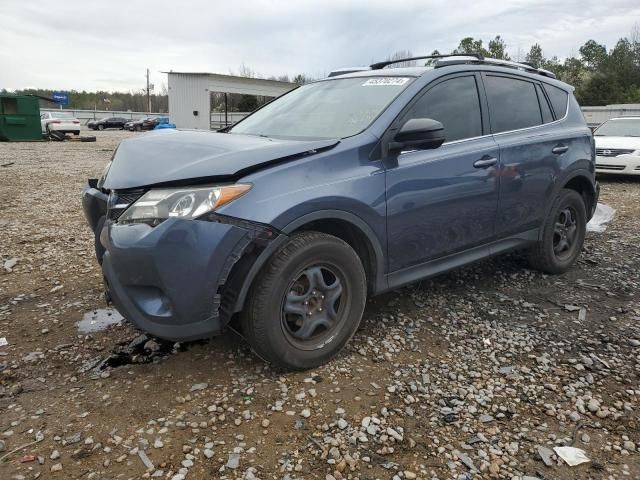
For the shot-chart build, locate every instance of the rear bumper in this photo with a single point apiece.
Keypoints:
(622, 164)
(64, 127)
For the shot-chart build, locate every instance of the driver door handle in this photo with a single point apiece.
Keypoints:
(485, 162)
(559, 149)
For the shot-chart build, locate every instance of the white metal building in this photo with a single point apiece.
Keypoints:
(190, 94)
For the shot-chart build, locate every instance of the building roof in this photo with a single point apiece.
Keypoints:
(220, 76)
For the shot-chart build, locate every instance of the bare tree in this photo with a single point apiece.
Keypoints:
(399, 55)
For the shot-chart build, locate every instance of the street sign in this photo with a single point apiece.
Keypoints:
(61, 98)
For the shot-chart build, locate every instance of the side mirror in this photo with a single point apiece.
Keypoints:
(419, 133)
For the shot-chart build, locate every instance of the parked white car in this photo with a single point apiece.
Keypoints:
(63, 122)
(618, 146)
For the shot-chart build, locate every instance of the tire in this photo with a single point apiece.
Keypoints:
(100, 127)
(566, 223)
(277, 323)
(138, 128)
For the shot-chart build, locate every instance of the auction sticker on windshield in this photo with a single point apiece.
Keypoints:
(385, 81)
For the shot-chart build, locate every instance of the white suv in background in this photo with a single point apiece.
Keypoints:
(618, 146)
(63, 122)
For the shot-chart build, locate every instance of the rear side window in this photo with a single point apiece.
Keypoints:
(547, 116)
(513, 103)
(454, 103)
(559, 99)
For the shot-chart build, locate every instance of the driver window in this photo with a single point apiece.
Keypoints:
(454, 103)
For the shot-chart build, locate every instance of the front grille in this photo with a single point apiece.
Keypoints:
(120, 201)
(613, 152)
(610, 167)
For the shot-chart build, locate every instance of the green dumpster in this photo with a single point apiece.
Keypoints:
(19, 118)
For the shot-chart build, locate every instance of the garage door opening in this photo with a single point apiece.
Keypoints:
(230, 108)
(196, 100)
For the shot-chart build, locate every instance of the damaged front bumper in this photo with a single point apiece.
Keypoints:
(171, 280)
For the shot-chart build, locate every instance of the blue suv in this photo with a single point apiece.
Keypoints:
(341, 189)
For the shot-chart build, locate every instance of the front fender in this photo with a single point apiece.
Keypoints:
(367, 231)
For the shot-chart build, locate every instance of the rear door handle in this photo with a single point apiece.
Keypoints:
(485, 162)
(559, 149)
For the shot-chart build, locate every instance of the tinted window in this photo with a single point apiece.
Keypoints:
(454, 103)
(559, 99)
(547, 116)
(513, 103)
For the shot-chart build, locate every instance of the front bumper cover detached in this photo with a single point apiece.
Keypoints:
(169, 280)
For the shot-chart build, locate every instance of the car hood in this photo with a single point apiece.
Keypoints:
(617, 142)
(167, 156)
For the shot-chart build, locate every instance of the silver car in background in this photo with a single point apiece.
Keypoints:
(618, 146)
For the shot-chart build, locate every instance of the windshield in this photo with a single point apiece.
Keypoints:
(628, 127)
(329, 109)
(61, 115)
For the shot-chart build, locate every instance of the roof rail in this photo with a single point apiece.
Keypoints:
(344, 71)
(523, 66)
(380, 65)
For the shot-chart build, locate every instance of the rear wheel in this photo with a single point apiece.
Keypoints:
(563, 234)
(306, 303)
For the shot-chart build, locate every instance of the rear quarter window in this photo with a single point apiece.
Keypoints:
(559, 99)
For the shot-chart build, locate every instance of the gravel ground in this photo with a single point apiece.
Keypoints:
(475, 374)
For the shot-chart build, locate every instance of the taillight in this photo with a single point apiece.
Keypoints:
(76, 121)
(55, 121)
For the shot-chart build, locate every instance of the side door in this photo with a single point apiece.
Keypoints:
(443, 200)
(533, 144)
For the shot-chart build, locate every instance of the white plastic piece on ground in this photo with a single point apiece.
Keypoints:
(601, 218)
(3, 342)
(572, 455)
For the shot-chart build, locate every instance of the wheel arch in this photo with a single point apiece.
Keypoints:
(344, 225)
(579, 179)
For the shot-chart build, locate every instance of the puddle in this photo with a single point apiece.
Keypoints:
(99, 319)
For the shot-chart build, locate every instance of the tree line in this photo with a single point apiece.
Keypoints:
(600, 76)
(103, 100)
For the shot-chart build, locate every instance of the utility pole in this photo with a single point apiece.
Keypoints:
(148, 94)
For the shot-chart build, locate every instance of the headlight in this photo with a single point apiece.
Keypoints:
(159, 204)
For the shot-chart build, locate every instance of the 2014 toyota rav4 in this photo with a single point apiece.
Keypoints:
(341, 189)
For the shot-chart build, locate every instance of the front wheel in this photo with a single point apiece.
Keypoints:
(562, 235)
(306, 303)
(100, 127)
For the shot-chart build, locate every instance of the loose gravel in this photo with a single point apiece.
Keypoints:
(479, 373)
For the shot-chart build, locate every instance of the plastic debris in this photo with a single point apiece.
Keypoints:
(601, 218)
(572, 455)
(3, 342)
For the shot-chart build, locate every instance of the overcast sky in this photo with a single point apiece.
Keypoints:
(91, 45)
